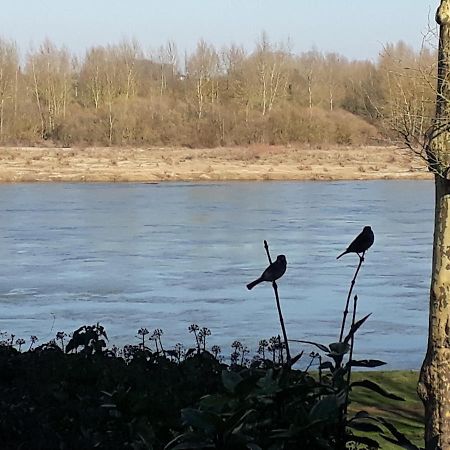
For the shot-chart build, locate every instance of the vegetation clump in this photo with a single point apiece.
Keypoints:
(119, 95)
(82, 394)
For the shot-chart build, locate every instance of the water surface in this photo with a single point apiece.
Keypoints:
(172, 254)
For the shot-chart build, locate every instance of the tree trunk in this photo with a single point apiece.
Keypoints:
(434, 384)
(110, 124)
(38, 100)
(2, 103)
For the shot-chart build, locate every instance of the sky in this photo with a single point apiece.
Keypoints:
(357, 29)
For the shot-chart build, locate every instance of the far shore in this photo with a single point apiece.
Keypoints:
(255, 162)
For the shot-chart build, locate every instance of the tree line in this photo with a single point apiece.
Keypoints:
(120, 95)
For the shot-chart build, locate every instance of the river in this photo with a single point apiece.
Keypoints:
(172, 254)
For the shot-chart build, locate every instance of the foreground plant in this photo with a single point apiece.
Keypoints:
(275, 271)
(335, 373)
(177, 399)
(136, 398)
(91, 339)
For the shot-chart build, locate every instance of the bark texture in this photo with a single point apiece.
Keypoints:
(434, 385)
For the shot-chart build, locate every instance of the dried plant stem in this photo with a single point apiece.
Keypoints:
(352, 284)
(340, 444)
(352, 341)
(280, 314)
(266, 246)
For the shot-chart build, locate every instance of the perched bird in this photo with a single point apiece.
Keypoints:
(361, 243)
(273, 272)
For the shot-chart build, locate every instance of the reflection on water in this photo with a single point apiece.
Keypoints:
(168, 255)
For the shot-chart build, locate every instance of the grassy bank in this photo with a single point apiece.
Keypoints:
(407, 415)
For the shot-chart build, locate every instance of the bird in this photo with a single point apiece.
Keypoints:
(273, 272)
(361, 243)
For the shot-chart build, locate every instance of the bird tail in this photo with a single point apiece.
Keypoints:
(251, 285)
(342, 254)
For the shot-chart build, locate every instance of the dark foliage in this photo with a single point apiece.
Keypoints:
(135, 398)
(83, 395)
(50, 399)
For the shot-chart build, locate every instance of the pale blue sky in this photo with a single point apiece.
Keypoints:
(354, 28)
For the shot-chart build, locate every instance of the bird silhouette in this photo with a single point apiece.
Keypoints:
(273, 272)
(361, 243)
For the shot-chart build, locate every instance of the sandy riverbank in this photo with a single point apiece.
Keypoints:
(256, 162)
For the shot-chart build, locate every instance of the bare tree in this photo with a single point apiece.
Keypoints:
(109, 77)
(333, 68)
(272, 73)
(234, 93)
(167, 57)
(9, 67)
(310, 63)
(202, 68)
(92, 83)
(49, 70)
(408, 82)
